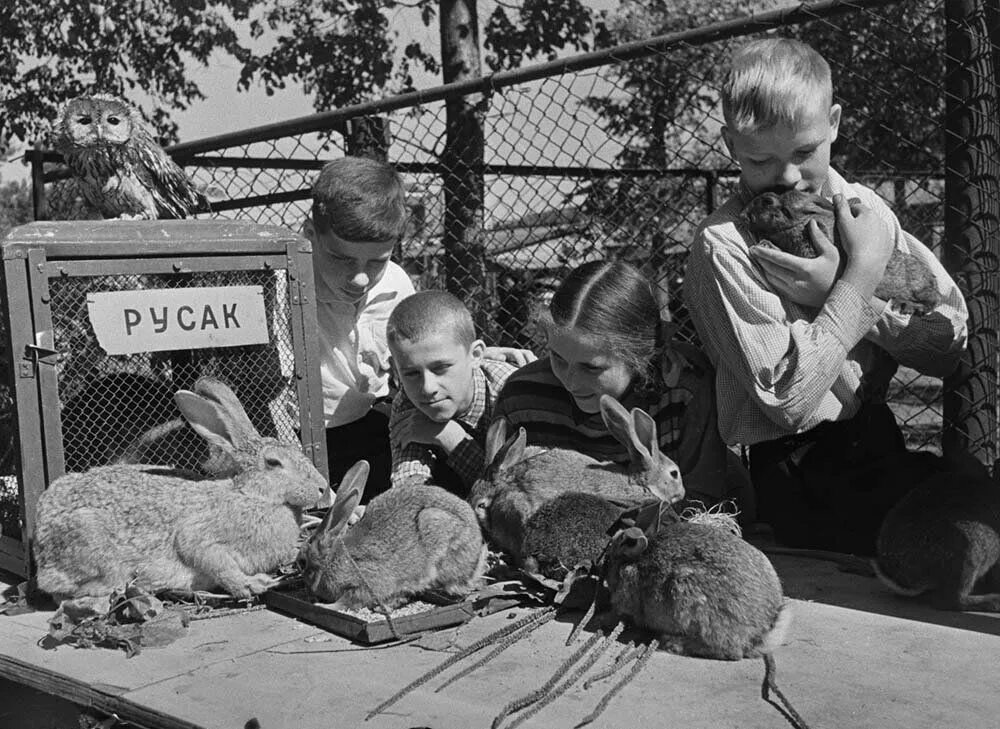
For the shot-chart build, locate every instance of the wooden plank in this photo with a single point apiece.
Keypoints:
(217, 640)
(109, 238)
(90, 696)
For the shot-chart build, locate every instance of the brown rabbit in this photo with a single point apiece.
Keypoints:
(943, 539)
(782, 219)
(103, 528)
(519, 479)
(411, 539)
(702, 590)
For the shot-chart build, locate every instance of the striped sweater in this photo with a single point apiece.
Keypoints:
(684, 415)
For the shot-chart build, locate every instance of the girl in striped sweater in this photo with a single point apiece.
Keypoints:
(605, 336)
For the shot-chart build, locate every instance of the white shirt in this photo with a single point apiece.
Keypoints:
(354, 353)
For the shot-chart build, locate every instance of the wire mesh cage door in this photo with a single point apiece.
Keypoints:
(107, 319)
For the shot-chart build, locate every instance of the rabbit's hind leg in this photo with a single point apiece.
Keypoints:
(980, 561)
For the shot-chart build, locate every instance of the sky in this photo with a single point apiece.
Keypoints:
(225, 109)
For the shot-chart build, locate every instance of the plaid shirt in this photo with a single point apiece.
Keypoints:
(782, 368)
(418, 462)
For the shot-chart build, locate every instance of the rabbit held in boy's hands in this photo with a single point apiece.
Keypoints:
(105, 527)
(700, 588)
(783, 219)
(519, 479)
(411, 539)
(943, 539)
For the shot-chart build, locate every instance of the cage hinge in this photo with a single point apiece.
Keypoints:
(33, 354)
(299, 295)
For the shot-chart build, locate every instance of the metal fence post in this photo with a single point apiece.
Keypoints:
(38, 199)
(972, 223)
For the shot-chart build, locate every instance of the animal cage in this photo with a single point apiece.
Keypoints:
(105, 320)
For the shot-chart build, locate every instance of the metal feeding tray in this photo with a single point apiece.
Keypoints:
(295, 600)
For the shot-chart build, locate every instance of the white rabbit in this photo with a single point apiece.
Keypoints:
(102, 528)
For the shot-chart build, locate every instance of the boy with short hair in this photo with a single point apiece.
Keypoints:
(358, 216)
(803, 356)
(439, 418)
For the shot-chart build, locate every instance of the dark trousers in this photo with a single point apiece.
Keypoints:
(830, 487)
(368, 439)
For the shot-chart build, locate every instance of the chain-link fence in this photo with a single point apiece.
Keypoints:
(617, 153)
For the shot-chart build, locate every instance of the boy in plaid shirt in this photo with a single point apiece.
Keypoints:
(439, 417)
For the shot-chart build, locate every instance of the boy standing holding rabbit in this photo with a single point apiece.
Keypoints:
(439, 417)
(804, 356)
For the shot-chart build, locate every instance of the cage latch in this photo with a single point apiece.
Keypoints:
(35, 354)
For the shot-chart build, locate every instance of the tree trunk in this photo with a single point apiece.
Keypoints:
(465, 255)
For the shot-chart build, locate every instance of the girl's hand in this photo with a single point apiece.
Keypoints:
(806, 281)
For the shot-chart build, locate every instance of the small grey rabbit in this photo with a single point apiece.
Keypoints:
(942, 539)
(105, 527)
(519, 479)
(411, 539)
(783, 220)
(567, 531)
(700, 588)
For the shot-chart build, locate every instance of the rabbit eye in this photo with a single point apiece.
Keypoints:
(272, 462)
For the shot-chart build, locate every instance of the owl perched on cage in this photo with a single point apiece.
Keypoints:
(122, 171)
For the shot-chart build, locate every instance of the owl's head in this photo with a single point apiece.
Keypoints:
(98, 120)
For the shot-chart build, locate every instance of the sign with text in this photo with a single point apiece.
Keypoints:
(153, 320)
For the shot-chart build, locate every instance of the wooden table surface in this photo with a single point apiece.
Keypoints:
(856, 657)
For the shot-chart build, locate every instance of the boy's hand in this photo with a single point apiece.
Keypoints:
(517, 357)
(415, 427)
(806, 281)
(868, 244)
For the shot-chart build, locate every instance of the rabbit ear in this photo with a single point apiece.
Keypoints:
(204, 416)
(228, 405)
(644, 427)
(622, 426)
(495, 438)
(349, 494)
(513, 450)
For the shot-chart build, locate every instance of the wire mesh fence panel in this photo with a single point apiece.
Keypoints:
(619, 154)
(120, 408)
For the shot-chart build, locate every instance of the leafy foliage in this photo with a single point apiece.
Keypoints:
(51, 52)
(15, 205)
(896, 52)
(342, 51)
(541, 28)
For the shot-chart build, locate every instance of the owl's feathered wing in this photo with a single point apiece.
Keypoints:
(172, 190)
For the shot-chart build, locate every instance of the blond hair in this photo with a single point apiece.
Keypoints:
(774, 81)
